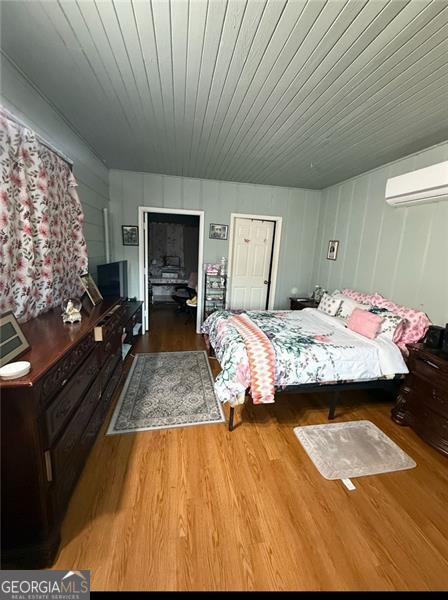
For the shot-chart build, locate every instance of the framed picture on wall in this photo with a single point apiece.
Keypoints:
(218, 232)
(12, 340)
(130, 235)
(333, 246)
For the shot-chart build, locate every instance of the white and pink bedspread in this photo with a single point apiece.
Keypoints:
(309, 347)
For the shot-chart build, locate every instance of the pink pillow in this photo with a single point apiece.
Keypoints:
(361, 297)
(416, 324)
(365, 323)
(399, 331)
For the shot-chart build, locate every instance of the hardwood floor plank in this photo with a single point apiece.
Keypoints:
(199, 508)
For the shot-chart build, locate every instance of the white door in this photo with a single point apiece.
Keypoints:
(251, 263)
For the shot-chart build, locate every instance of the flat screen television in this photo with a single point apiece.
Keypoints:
(113, 279)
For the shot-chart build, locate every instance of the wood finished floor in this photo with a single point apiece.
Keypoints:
(198, 508)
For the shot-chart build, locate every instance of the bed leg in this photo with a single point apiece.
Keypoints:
(232, 413)
(334, 398)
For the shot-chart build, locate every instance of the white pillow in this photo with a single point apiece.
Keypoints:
(329, 305)
(392, 326)
(348, 305)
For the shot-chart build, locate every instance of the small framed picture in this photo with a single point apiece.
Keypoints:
(218, 232)
(333, 246)
(12, 340)
(91, 290)
(130, 235)
(86, 303)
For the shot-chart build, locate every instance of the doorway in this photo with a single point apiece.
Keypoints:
(170, 261)
(254, 247)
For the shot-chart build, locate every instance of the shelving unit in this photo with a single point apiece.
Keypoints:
(215, 293)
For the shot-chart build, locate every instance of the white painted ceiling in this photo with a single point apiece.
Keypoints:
(278, 92)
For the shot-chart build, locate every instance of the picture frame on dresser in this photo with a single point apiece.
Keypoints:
(13, 342)
(86, 303)
(91, 289)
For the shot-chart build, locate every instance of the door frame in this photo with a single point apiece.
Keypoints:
(142, 276)
(275, 252)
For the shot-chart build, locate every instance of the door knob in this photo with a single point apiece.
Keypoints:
(266, 282)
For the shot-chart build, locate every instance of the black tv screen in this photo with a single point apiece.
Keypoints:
(113, 279)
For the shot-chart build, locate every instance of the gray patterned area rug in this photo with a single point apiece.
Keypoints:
(166, 389)
(352, 449)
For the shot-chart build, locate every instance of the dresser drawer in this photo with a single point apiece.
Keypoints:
(69, 397)
(57, 377)
(65, 451)
(429, 395)
(109, 348)
(422, 366)
(113, 362)
(429, 425)
(111, 323)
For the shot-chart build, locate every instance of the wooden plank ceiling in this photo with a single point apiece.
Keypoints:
(297, 93)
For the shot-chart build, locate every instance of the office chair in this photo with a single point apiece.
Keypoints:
(183, 292)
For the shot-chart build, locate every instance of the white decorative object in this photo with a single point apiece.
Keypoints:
(15, 369)
(72, 311)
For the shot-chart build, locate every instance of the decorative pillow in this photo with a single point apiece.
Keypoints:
(365, 323)
(362, 297)
(348, 305)
(416, 322)
(392, 326)
(399, 330)
(329, 305)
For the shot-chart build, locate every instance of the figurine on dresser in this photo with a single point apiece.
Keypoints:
(72, 311)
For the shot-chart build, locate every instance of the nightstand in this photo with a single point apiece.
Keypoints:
(422, 401)
(300, 303)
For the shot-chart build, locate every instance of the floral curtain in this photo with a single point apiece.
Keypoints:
(42, 246)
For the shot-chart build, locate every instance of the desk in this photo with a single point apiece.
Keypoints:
(165, 287)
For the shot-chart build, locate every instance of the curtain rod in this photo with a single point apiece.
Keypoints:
(39, 138)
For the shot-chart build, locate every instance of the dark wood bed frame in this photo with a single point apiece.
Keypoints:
(387, 385)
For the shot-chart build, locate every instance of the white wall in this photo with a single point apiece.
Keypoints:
(23, 100)
(401, 253)
(299, 209)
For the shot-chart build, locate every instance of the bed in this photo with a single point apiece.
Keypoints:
(311, 351)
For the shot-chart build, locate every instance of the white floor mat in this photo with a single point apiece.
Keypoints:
(352, 449)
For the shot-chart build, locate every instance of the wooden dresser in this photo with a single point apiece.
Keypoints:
(423, 398)
(50, 419)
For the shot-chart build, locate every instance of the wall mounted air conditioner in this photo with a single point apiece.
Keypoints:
(424, 185)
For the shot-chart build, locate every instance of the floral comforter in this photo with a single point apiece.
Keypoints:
(309, 346)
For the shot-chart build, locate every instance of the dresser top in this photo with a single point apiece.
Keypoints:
(436, 356)
(50, 339)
